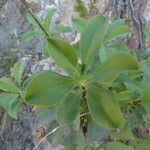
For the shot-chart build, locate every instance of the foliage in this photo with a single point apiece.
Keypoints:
(106, 90)
(11, 95)
(80, 8)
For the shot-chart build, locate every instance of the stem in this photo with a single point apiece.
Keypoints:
(84, 119)
(3, 123)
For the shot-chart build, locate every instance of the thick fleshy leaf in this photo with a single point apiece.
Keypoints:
(104, 108)
(117, 63)
(8, 86)
(48, 17)
(92, 38)
(63, 54)
(17, 72)
(79, 23)
(117, 146)
(48, 88)
(68, 108)
(142, 144)
(7, 101)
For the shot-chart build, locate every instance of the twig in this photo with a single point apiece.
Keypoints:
(46, 136)
(3, 123)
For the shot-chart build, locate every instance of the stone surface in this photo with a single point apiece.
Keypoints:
(21, 134)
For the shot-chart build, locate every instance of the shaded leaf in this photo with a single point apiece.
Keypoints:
(117, 146)
(31, 34)
(14, 107)
(125, 134)
(48, 88)
(142, 144)
(117, 32)
(113, 66)
(8, 86)
(107, 51)
(95, 132)
(69, 138)
(7, 101)
(104, 108)
(48, 17)
(63, 54)
(124, 96)
(59, 28)
(79, 23)
(33, 19)
(17, 72)
(68, 108)
(45, 114)
(146, 30)
(92, 38)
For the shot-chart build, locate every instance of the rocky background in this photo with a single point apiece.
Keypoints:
(24, 133)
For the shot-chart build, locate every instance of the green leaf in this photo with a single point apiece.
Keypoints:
(45, 114)
(117, 32)
(124, 96)
(95, 132)
(67, 114)
(117, 63)
(79, 23)
(14, 107)
(7, 100)
(104, 108)
(145, 88)
(107, 51)
(8, 86)
(48, 17)
(92, 38)
(48, 88)
(46, 49)
(63, 54)
(68, 137)
(17, 72)
(146, 30)
(59, 28)
(33, 19)
(31, 34)
(117, 146)
(115, 24)
(142, 144)
(125, 134)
